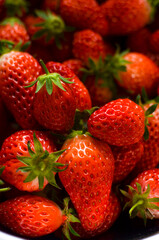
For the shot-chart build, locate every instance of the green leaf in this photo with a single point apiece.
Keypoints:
(153, 199)
(125, 193)
(138, 187)
(146, 133)
(144, 95)
(24, 169)
(40, 84)
(57, 82)
(49, 86)
(5, 189)
(31, 84)
(25, 46)
(147, 192)
(1, 170)
(72, 230)
(153, 206)
(37, 144)
(73, 219)
(41, 181)
(41, 14)
(25, 160)
(66, 80)
(151, 109)
(51, 179)
(66, 233)
(31, 153)
(30, 177)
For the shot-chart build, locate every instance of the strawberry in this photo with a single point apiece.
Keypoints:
(34, 216)
(88, 178)
(89, 44)
(29, 160)
(125, 17)
(84, 15)
(119, 122)
(75, 65)
(16, 70)
(126, 158)
(150, 158)
(143, 195)
(81, 94)
(112, 213)
(12, 29)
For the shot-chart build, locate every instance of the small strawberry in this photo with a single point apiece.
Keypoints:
(84, 15)
(29, 159)
(120, 122)
(12, 29)
(35, 216)
(16, 70)
(143, 195)
(75, 65)
(126, 158)
(125, 17)
(88, 178)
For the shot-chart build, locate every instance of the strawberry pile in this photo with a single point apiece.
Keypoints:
(79, 93)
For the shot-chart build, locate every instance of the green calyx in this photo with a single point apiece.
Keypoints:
(154, 5)
(48, 80)
(11, 21)
(69, 213)
(8, 46)
(52, 27)
(139, 203)
(16, 7)
(148, 112)
(1, 182)
(41, 164)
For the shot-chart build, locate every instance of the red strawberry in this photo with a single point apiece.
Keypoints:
(126, 158)
(119, 122)
(16, 70)
(75, 65)
(81, 94)
(88, 44)
(127, 16)
(12, 29)
(150, 158)
(112, 213)
(143, 195)
(88, 178)
(84, 15)
(32, 155)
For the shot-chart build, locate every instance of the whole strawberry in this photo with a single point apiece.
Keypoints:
(34, 216)
(143, 195)
(84, 15)
(88, 178)
(29, 160)
(16, 70)
(128, 16)
(120, 122)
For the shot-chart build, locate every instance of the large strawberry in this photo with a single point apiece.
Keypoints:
(84, 15)
(88, 178)
(16, 70)
(29, 160)
(35, 216)
(119, 122)
(13, 29)
(127, 16)
(143, 195)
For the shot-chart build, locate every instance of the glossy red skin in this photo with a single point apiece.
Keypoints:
(88, 178)
(140, 72)
(139, 41)
(31, 216)
(125, 17)
(84, 15)
(81, 94)
(75, 65)
(112, 213)
(17, 69)
(15, 33)
(119, 122)
(150, 158)
(126, 158)
(154, 42)
(16, 145)
(89, 44)
(150, 177)
(56, 111)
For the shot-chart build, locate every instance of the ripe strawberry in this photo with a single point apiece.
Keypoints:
(88, 44)
(141, 72)
(12, 29)
(84, 15)
(143, 195)
(88, 178)
(80, 92)
(75, 65)
(16, 70)
(126, 158)
(112, 213)
(125, 17)
(33, 216)
(32, 155)
(119, 122)
(150, 158)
